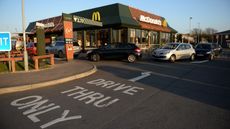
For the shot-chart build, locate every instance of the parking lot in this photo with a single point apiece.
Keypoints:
(146, 94)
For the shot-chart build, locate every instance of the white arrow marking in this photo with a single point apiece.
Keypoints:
(199, 62)
(143, 75)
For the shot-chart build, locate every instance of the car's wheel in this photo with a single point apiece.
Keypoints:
(95, 57)
(60, 54)
(131, 58)
(211, 57)
(172, 58)
(192, 57)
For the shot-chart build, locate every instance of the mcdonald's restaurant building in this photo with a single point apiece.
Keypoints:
(120, 23)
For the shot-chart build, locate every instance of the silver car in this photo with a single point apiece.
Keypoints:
(174, 51)
(58, 48)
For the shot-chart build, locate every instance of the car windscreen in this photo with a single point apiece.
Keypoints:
(108, 46)
(170, 46)
(75, 44)
(60, 43)
(203, 46)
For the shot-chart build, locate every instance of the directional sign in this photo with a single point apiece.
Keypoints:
(143, 75)
(5, 41)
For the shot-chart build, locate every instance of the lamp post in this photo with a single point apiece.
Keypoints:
(190, 21)
(24, 39)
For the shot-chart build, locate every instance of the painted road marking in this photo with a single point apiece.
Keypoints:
(123, 88)
(199, 62)
(189, 80)
(36, 107)
(143, 75)
(97, 99)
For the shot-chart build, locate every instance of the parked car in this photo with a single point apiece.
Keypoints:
(174, 51)
(127, 51)
(217, 48)
(58, 48)
(17, 45)
(207, 50)
(76, 48)
(31, 48)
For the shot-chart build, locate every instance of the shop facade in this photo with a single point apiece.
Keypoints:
(121, 23)
(223, 38)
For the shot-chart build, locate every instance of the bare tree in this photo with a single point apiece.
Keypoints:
(205, 35)
(210, 31)
(196, 34)
(208, 34)
(195, 31)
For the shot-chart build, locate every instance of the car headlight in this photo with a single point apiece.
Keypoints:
(166, 52)
(208, 52)
(90, 51)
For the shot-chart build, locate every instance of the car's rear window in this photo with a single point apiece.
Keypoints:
(170, 46)
(203, 46)
(126, 46)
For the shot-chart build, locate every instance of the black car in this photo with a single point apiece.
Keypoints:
(207, 50)
(127, 51)
(217, 49)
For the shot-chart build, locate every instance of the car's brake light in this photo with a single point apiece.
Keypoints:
(138, 50)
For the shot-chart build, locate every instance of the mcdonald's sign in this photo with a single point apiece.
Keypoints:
(164, 23)
(96, 16)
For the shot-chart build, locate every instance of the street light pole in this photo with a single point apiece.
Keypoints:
(198, 36)
(24, 39)
(190, 20)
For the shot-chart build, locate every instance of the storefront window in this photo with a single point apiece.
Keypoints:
(165, 38)
(115, 35)
(87, 42)
(138, 36)
(153, 37)
(144, 37)
(90, 39)
(79, 37)
(124, 35)
(103, 36)
(132, 35)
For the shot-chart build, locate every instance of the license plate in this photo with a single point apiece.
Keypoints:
(200, 54)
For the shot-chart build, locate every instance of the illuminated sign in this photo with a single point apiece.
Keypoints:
(5, 41)
(47, 25)
(96, 16)
(150, 20)
(68, 29)
(164, 24)
(86, 21)
(78, 19)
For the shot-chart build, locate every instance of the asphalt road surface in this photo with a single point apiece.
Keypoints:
(121, 95)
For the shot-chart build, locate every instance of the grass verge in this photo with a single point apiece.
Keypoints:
(4, 66)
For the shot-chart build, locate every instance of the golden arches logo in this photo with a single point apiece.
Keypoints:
(164, 24)
(96, 16)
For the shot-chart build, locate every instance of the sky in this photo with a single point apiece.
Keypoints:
(208, 13)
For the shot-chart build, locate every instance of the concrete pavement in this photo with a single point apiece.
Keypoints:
(60, 73)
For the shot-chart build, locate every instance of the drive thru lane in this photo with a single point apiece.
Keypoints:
(85, 104)
(108, 100)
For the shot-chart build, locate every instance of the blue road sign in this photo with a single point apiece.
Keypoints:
(5, 41)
